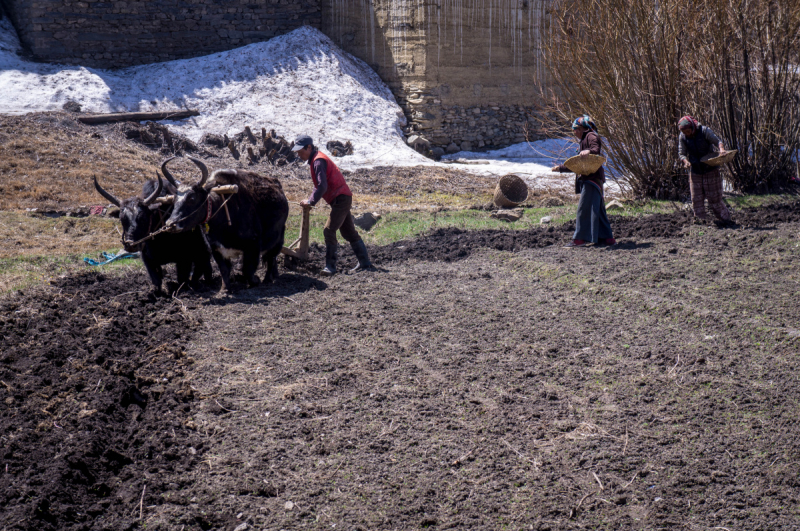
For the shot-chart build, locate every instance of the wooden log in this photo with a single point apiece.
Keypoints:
(164, 200)
(225, 189)
(135, 116)
(250, 135)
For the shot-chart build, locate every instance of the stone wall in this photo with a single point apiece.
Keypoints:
(127, 32)
(490, 125)
(386, 34)
(461, 71)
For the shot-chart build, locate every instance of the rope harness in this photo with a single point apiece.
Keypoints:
(209, 217)
(150, 228)
(208, 211)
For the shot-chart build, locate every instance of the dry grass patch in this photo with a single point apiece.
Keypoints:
(23, 234)
(47, 161)
(35, 249)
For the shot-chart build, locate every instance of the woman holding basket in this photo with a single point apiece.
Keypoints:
(591, 224)
(695, 143)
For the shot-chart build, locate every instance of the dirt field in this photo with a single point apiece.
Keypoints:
(477, 380)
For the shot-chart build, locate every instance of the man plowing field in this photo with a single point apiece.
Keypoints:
(329, 184)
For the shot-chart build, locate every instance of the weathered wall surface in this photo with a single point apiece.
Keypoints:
(464, 71)
(127, 32)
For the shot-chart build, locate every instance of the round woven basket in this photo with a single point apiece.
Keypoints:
(712, 159)
(585, 165)
(511, 190)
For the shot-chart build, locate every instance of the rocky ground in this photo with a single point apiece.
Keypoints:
(476, 380)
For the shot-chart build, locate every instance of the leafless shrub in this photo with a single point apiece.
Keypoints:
(637, 67)
(752, 65)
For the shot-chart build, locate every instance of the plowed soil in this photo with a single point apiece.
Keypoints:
(476, 380)
(93, 402)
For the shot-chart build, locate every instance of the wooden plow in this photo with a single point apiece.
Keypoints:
(299, 248)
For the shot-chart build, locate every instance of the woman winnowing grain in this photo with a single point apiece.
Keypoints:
(591, 223)
(705, 182)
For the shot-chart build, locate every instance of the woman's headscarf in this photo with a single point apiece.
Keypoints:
(688, 121)
(584, 121)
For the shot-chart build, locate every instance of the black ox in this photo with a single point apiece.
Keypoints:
(258, 213)
(143, 215)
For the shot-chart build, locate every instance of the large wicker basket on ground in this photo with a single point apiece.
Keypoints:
(511, 190)
(586, 165)
(713, 159)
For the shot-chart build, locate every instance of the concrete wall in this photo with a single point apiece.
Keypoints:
(127, 32)
(463, 70)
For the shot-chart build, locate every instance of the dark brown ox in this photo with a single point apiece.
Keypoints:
(143, 215)
(257, 214)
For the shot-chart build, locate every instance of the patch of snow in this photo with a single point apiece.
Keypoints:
(530, 160)
(297, 83)
(543, 152)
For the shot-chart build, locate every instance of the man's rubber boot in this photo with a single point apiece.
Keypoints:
(330, 260)
(360, 251)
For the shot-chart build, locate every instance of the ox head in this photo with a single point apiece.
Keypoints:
(190, 204)
(138, 215)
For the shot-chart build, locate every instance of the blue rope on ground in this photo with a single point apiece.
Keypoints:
(110, 257)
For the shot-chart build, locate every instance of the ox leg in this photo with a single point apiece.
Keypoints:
(271, 261)
(202, 268)
(250, 265)
(156, 275)
(184, 268)
(202, 259)
(224, 266)
(273, 264)
(208, 273)
(271, 256)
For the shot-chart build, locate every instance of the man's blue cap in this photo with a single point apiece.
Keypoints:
(301, 142)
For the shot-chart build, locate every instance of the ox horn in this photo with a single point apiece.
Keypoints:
(203, 170)
(167, 185)
(152, 197)
(104, 193)
(167, 174)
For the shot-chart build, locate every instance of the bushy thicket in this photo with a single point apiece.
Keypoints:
(636, 67)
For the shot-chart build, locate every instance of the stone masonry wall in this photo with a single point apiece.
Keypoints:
(490, 125)
(126, 32)
(461, 71)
